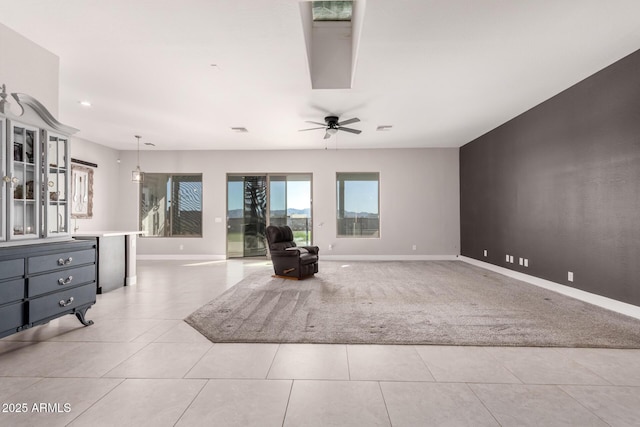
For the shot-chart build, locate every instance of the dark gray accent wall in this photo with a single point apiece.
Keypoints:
(559, 185)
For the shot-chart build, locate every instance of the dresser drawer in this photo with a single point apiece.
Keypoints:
(11, 317)
(11, 268)
(44, 263)
(12, 290)
(54, 304)
(60, 280)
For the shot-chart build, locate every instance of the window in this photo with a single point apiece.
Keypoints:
(358, 205)
(171, 205)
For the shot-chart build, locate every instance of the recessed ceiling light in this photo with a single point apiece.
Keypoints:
(383, 128)
(239, 129)
(85, 103)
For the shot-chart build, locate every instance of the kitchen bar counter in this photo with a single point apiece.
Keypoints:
(116, 262)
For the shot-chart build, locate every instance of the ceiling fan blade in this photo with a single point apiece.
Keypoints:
(356, 131)
(315, 123)
(327, 135)
(303, 130)
(349, 121)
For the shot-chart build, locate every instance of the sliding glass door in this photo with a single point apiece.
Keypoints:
(255, 201)
(290, 204)
(246, 216)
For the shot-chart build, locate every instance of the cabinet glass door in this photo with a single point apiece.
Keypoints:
(24, 212)
(4, 180)
(57, 184)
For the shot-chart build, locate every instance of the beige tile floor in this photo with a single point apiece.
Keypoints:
(141, 365)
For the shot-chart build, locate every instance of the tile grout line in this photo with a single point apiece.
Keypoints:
(206, 382)
(384, 400)
(213, 345)
(484, 405)
(286, 408)
(555, 350)
(424, 362)
(99, 399)
(346, 350)
(581, 404)
(272, 362)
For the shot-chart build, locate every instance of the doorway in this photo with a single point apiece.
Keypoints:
(256, 201)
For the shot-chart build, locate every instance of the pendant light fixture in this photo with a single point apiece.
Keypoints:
(137, 175)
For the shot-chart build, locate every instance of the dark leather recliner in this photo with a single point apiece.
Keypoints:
(290, 260)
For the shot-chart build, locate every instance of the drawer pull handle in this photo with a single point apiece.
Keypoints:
(66, 281)
(64, 303)
(65, 261)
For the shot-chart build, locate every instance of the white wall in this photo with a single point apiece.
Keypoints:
(419, 197)
(105, 185)
(28, 68)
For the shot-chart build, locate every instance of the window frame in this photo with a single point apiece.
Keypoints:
(375, 235)
(170, 175)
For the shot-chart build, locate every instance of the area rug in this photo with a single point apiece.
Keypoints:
(422, 302)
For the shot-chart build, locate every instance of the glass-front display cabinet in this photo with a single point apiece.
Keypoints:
(35, 172)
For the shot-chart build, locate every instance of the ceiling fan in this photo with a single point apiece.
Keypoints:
(332, 126)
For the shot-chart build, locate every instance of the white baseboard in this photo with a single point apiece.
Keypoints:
(181, 257)
(324, 256)
(604, 302)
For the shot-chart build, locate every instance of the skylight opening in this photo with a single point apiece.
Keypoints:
(332, 10)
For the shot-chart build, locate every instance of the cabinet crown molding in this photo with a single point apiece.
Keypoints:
(27, 102)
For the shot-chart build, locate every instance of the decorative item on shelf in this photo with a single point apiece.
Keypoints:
(18, 193)
(137, 175)
(17, 152)
(29, 143)
(3, 98)
(53, 196)
(52, 149)
(29, 190)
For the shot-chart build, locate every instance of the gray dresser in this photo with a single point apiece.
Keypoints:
(40, 282)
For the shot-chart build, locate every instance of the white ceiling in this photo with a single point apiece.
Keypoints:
(442, 72)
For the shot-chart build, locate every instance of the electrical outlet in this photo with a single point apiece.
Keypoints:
(570, 276)
(511, 259)
(330, 247)
(181, 247)
(414, 247)
(485, 252)
(507, 258)
(526, 262)
(521, 261)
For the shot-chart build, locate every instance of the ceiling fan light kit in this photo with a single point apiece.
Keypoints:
(332, 125)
